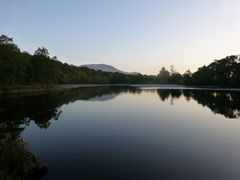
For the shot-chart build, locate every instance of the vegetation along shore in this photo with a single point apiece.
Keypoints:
(22, 72)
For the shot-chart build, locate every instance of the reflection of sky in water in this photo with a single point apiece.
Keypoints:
(138, 136)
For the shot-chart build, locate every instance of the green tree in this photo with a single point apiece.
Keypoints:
(163, 76)
(10, 64)
(175, 78)
(42, 52)
(7, 47)
(223, 72)
(5, 40)
(187, 77)
(43, 68)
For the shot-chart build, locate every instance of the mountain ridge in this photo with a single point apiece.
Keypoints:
(106, 68)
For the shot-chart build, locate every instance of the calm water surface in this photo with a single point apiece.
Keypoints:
(129, 133)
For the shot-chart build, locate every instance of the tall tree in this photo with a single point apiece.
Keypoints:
(7, 47)
(4, 40)
(172, 70)
(42, 52)
(187, 77)
(163, 76)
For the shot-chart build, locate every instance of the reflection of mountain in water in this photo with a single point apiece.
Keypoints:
(104, 97)
(226, 103)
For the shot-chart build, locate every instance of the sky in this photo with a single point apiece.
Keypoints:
(132, 35)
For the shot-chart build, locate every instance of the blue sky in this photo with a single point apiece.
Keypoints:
(133, 35)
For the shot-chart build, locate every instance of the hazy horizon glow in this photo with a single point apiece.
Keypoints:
(132, 35)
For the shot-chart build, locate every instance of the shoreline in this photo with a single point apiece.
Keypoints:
(145, 86)
(39, 89)
(61, 87)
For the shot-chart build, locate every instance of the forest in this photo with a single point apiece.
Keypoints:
(21, 68)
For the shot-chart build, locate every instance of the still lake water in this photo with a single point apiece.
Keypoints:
(130, 133)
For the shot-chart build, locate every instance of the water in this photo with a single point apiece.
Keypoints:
(129, 133)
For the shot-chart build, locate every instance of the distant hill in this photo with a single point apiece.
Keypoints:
(106, 68)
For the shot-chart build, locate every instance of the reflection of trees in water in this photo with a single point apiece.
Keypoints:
(165, 94)
(226, 103)
(19, 111)
(171, 94)
(16, 112)
(17, 162)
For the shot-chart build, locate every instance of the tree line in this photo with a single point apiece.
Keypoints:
(223, 72)
(21, 68)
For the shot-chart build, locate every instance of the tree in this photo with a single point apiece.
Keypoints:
(163, 76)
(5, 40)
(175, 78)
(223, 72)
(187, 77)
(7, 47)
(172, 70)
(42, 52)
(54, 58)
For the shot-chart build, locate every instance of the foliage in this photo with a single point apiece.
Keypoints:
(186, 77)
(18, 68)
(224, 72)
(42, 52)
(163, 76)
(21, 68)
(226, 103)
(175, 78)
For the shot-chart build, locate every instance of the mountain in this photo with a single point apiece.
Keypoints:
(106, 68)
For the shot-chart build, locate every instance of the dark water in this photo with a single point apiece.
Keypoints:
(129, 133)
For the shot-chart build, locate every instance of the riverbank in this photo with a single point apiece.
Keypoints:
(37, 88)
(40, 89)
